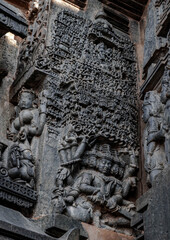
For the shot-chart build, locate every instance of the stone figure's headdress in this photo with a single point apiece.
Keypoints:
(25, 90)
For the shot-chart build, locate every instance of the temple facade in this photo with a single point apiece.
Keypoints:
(85, 120)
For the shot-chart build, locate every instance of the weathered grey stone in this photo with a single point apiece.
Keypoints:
(156, 218)
(82, 67)
(13, 223)
(143, 201)
(137, 219)
(155, 159)
(57, 225)
(152, 42)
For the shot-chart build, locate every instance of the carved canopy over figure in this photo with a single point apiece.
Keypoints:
(29, 122)
(154, 151)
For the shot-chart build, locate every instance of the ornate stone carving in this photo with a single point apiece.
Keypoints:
(16, 193)
(155, 160)
(90, 80)
(97, 182)
(10, 191)
(164, 133)
(29, 122)
(165, 98)
(163, 16)
(34, 44)
(91, 77)
(11, 21)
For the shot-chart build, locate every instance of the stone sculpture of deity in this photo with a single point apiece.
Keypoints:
(28, 123)
(155, 160)
(96, 178)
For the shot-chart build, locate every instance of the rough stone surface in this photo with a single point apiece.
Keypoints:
(59, 224)
(103, 234)
(156, 217)
(13, 223)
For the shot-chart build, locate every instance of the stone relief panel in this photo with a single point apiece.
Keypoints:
(155, 160)
(92, 114)
(28, 122)
(156, 116)
(93, 80)
(34, 44)
(162, 16)
(17, 161)
(155, 45)
(93, 182)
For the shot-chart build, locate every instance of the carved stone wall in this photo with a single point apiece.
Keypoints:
(156, 88)
(70, 154)
(155, 93)
(91, 134)
(93, 80)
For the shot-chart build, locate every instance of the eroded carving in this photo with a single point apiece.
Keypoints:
(91, 77)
